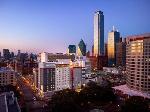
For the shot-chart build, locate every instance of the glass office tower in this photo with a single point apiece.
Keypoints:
(113, 38)
(98, 33)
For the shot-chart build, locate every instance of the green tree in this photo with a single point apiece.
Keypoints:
(65, 101)
(95, 95)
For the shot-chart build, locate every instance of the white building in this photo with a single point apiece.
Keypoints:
(7, 76)
(60, 74)
(52, 76)
(62, 77)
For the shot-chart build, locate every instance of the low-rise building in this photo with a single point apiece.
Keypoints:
(112, 70)
(7, 76)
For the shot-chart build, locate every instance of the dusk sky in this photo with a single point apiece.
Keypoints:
(51, 25)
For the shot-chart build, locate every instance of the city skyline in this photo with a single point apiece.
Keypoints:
(42, 26)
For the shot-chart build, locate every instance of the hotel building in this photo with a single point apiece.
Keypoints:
(138, 62)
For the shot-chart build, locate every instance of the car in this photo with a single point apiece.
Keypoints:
(34, 98)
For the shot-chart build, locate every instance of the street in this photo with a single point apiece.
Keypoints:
(32, 103)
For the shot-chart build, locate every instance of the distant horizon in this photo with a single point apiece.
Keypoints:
(50, 26)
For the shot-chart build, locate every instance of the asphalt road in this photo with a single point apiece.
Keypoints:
(32, 103)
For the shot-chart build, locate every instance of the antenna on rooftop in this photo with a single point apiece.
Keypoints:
(113, 28)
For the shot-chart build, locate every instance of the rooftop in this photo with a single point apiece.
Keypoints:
(138, 37)
(128, 91)
(2, 69)
(99, 12)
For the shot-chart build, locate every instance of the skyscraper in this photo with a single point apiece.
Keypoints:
(113, 38)
(98, 33)
(6, 54)
(81, 48)
(138, 62)
(71, 49)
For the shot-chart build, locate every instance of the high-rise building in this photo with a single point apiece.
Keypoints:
(72, 49)
(98, 33)
(121, 53)
(46, 76)
(138, 62)
(113, 38)
(6, 54)
(62, 77)
(81, 48)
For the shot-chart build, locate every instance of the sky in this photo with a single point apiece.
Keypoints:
(51, 25)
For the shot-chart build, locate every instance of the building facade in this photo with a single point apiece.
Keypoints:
(98, 33)
(46, 76)
(138, 62)
(62, 77)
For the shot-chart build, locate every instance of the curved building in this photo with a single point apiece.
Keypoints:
(81, 48)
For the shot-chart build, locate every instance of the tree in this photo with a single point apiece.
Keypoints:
(65, 101)
(89, 97)
(95, 95)
(135, 104)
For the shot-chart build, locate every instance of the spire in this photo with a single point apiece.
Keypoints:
(114, 28)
